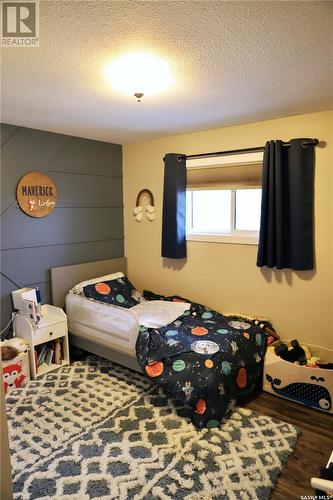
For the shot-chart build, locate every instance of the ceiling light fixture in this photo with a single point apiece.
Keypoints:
(139, 74)
(139, 96)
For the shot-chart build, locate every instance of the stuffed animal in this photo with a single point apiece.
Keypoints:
(307, 351)
(8, 353)
(20, 344)
(313, 362)
(296, 353)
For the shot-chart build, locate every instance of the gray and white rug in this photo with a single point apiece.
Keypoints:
(97, 430)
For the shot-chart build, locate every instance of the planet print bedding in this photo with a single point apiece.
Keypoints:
(118, 292)
(205, 359)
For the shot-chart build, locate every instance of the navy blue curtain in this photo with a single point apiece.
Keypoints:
(286, 227)
(174, 207)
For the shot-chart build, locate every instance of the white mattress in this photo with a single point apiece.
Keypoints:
(110, 326)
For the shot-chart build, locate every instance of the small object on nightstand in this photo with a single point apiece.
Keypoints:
(48, 340)
(39, 304)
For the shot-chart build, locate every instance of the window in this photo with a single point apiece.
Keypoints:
(247, 209)
(223, 200)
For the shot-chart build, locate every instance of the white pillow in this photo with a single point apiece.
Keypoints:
(159, 313)
(77, 289)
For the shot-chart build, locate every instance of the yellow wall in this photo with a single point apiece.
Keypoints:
(225, 276)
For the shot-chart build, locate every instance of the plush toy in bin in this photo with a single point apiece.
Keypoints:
(301, 373)
(12, 348)
(15, 363)
(293, 355)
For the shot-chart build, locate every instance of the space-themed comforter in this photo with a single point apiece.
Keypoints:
(205, 359)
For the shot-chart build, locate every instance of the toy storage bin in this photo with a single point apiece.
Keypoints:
(307, 386)
(16, 372)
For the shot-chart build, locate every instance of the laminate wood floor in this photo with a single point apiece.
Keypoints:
(313, 449)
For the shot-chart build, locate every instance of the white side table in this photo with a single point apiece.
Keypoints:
(52, 326)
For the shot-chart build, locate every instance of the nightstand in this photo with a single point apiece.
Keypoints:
(51, 333)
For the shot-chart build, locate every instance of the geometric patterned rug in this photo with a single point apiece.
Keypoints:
(98, 430)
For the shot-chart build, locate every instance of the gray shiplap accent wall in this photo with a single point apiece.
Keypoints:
(87, 223)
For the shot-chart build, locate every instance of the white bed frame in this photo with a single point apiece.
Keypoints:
(66, 277)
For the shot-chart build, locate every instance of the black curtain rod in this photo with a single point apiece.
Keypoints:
(312, 142)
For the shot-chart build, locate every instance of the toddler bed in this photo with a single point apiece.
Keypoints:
(200, 356)
(84, 334)
(110, 332)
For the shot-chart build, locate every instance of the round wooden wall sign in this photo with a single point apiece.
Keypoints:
(36, 194)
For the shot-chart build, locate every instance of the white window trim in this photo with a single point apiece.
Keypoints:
(235, 236)
(245, 238)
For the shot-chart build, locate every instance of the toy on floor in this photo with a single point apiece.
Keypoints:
(323, 484)
(15, 368)
(13, 376)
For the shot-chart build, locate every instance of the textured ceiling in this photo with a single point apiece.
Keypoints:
(233, 62)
